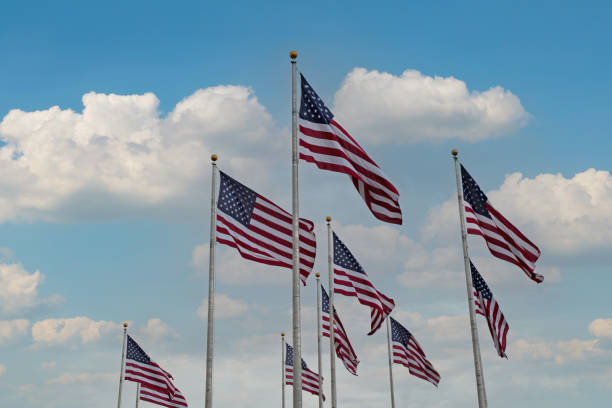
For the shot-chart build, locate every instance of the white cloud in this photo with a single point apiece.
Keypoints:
(60, 164)
(379, 107)
(601, 328)
(561, 215)
(83, 378)
(2, 369)
(47, 364)
(12, 329)
(225, 307)
(62, 331)
(157, 329)
(19, 290)
(560, 352)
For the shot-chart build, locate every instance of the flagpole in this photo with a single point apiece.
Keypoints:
(319, 340)
(137, 394)
(283, 368)
(210, 332)
(332, 347)
(480, 387)
(297, 341)
(390, 362)
(125, 325)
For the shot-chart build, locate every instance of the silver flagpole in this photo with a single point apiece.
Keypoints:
(332, 347)
(319, 340)
(283, 349)
(297, 339)
(210, 333)
(480, 387)
(125, 325)
(137, 394)
(390, 362)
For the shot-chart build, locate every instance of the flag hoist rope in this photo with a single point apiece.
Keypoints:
(480, 386)
(210, 332)
(332, 348)
(297, 340)
(319, 340)
(125, 325)
(390, 362)
(283, 348)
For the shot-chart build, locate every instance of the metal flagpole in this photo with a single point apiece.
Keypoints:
(297, 340)
(283, 348)
(480, 387)
(390, 362)
(137, 394)
(125, 325)
(332, 346)
(319, 340)
(210, 333)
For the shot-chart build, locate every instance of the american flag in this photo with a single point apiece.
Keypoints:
(487, 306)
(325, 143)
(351, 280)
(407, 352)
(141, 369)
(504, 240)
(310, 379)
(259, 229)
(160, 398)
(344, 350)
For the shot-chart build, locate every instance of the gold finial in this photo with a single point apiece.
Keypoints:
(213, 157)
(317, 274)
(455, 152)
(125, 324)
(283, 334)
(328, 218)
(293, 54)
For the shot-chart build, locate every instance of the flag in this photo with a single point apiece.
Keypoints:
(487, 306)
(310, 379)
(504, 240)
(160, 398)
(344, 350)
(325, 143)
(407, 352)
(141, 369)
(351, 280)
(260, 230)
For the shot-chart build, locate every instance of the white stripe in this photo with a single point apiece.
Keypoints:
(242, 248)
(382, 210)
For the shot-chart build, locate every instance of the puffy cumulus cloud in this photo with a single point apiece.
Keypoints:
(61, 164)
(225, 307)
(19, 290)
(12, 329)
(382, 108)
(156, 329)
(562, 215)
(82, 378)
(560, 352)
(601, 328)
(62, 331)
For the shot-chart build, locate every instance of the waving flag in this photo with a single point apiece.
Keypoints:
(160, 398)
(325, 143)
(407, 352)
(344, 350)
(351, 280)
(310, 379)
(141, 369)
(259, 229)
(487, 306)
(504, 240)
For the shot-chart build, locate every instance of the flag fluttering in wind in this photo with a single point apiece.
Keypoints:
(351, 280)
(487, 306)
(344, 349)
(141, 369)
(259, 229)
(407, 352)
(310, 379)
(325, 143)
(504, 240)
(160, 398)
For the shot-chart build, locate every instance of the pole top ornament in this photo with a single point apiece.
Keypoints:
(317, 274)
(328, 218)
(293, 54)
(125, 324)
(213, 157)
(455, 152)
(283, 334)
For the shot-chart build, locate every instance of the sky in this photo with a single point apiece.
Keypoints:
(109, 113)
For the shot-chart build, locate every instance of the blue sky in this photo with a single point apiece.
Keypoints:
(104, 199)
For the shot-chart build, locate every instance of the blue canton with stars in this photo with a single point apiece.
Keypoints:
(289, 357)
(236, 200)
(325, 300)
(344, 258)
(479, 283)
(473, 194)
(134, 352)
(399, 333)
(312, 107)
